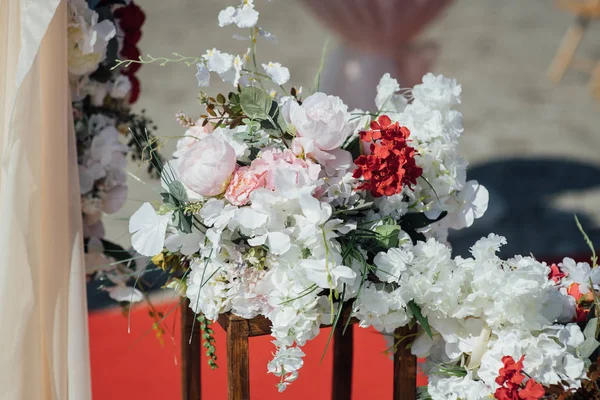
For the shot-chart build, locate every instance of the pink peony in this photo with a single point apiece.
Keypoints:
(206, 167)
(191, 137)
(244, 182)
(283, 169)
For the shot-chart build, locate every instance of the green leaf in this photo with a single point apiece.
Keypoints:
(416, 311)
(588, 347)
(178, 191)
(590, 328)
(255, 102)
(388, 235)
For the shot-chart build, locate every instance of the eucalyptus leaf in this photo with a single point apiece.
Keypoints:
(588, 347)
(388, 235)
(416, 311)
(255, 102)
(590, 328)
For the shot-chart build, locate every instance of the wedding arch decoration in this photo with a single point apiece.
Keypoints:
(107, 129)
(292, 207)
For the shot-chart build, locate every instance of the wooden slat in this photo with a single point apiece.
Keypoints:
(238, 363)
(190, 354)
(343, 355)
(260, 326)
(405, 368)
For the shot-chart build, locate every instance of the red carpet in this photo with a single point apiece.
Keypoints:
(133, 366)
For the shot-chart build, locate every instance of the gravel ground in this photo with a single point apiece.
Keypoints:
(533, 144)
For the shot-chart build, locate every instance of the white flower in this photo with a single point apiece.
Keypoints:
(472, 203)
(285, 364)
(245, 16)
(227, 16)
(441, 387)
(186, 243)
(323, 119)
(391, 264)
(202, 75)
(218, 62)
(120, 87)
(581, 274)
(148, 230)
(388, 101)
(125, 294)
(278, 74)
(438, 92)
(326, 274)
(87, 39)
(234, 73)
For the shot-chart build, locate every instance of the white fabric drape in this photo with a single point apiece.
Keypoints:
(43, 335)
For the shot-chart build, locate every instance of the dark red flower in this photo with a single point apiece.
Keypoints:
(135, 89)
(556, 274)
(131, 17)
(391, 164)
(130, 52)
(532, 391)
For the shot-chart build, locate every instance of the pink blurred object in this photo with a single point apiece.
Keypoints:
(376, 37)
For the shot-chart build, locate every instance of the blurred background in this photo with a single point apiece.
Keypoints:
(534, 144)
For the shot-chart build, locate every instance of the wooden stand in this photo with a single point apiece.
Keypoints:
(238, 371)
(585, 11)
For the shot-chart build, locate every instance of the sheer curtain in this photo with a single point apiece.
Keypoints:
(377, 36)
(42, 295)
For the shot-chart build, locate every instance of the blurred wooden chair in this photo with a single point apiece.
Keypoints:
(585, 11)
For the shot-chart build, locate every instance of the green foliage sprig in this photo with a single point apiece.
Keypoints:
(209, 340)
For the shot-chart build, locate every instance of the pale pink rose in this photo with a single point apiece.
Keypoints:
(244, 182)
(192, 135)
(206, 167)
(323, 119)
(284, 170)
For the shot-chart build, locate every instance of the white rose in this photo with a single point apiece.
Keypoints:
(120, 87)
(322, 118)
(207, 166)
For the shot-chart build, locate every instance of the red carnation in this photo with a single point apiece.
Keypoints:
(131, 17)
(511, 377)
(532, 391)
(391, 164)
(556, 274)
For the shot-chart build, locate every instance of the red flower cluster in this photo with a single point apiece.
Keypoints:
(556, 274)
(511, 377)
(131, 18)
(391, 164)
(580, 300)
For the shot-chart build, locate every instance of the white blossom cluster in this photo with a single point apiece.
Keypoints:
(479, 310)
(270, 217)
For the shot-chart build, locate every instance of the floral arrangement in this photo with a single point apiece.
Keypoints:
(107, 130)
(296, 208)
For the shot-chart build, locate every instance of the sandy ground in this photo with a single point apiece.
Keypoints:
(535, 145)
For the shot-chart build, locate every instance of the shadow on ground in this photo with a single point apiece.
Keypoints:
(521, 207)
